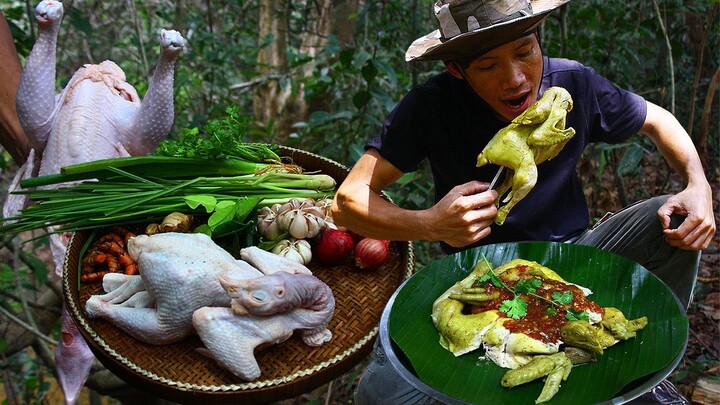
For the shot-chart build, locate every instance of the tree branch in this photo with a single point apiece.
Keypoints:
(26, 326)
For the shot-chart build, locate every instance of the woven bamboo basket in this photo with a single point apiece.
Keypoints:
(179, 373)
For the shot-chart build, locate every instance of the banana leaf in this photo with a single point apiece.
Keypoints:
(614, 280)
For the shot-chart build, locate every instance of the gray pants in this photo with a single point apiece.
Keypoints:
(634, 232)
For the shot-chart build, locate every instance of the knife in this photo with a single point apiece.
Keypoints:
(497, 176)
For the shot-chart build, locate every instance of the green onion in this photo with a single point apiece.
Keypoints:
(151, 166)
(146, 189)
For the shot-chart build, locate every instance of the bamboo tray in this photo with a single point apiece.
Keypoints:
(177, 372)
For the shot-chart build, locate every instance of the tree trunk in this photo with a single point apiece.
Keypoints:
(276, 102)
(269, 99)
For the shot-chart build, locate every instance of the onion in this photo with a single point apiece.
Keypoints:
(370, 254)
(334, 246)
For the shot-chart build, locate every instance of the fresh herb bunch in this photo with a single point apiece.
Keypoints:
(516, 308)
(223, 139)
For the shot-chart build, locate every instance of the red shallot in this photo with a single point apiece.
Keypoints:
(334, 246)
(370, 254)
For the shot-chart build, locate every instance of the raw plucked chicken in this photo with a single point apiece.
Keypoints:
(189, 284)
(265, 311)
(97, 116)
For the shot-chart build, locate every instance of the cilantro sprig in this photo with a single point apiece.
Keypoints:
(223, 139)
(516, 308)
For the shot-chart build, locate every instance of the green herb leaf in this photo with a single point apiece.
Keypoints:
(244, 206)
(515, 308)
(223, 140)
(563, 298)
(207, 201)
(527, 286)
(551, 311)
(575, 315)
(224, 212)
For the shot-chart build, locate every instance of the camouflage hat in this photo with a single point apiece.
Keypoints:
(472, 27)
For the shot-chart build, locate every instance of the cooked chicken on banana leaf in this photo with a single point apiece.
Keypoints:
(522, 314)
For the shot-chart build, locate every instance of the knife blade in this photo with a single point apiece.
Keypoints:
(496, 178)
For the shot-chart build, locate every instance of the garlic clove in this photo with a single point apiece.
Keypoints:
(299, 227)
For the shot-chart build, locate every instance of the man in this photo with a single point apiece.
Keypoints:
(495, 70)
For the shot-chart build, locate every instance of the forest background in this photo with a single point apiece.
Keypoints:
(321, 75)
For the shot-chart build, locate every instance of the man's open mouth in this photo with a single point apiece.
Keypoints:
(516, 102)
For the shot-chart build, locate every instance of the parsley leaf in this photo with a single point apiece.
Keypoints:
(491, 276)
(223, 139)
(527, 286)
(563, 298)
(575, 315)
(515, 308)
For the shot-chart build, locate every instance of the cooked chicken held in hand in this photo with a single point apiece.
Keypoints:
(536, 135)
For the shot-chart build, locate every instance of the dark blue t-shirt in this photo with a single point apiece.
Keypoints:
(444, 121)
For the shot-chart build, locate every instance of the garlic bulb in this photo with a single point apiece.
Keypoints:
(301, 220)
(267, 224)
(298, 250)
(325, 205)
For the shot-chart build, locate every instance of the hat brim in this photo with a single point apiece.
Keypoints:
(431, 47)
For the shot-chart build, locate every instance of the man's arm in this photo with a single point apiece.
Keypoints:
(462, 217)
(12, 137)
(695, 201)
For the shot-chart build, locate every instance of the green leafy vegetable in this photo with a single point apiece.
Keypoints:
(129, 199)
(527, 286)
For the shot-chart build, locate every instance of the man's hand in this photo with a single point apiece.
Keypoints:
(464, 215)
(698, 228)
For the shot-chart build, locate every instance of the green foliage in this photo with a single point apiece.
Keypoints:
(223, 139)
(27, 377)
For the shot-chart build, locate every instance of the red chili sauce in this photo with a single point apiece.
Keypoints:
(537, 323)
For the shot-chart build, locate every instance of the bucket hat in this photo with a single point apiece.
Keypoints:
(472, 27)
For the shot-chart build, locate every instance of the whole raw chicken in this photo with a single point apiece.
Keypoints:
(536, 135)
(98, 115)
(178, 275)
(264, 311)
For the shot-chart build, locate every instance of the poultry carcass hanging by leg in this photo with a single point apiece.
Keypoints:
(97, 116)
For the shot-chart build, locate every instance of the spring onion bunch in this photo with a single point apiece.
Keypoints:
(145, 189)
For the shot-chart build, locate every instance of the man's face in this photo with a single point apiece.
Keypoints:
(508, 77)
